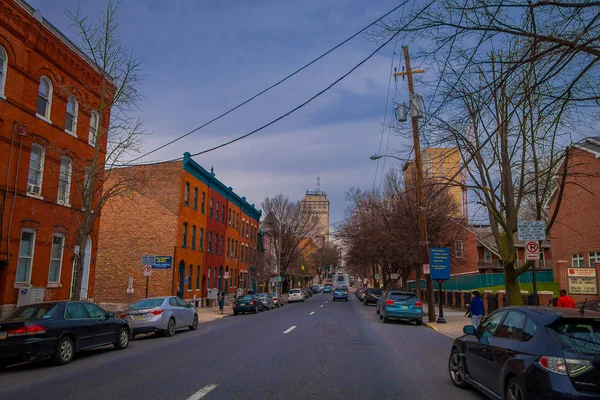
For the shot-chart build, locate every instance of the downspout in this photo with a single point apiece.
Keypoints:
(12, 209)
(12, 145)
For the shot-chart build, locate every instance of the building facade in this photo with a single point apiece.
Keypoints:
(180, 213)
(316, 202)
(48, 137)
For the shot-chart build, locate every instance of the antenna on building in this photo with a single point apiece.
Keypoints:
(318, 183)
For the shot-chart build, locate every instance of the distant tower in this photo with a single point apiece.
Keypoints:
(316, 202)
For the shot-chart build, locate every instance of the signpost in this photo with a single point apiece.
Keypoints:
(439, 259)
(129, 289)
(394, 276)
(533, 250)
(582, 281)
(532, 231)
(147, 261)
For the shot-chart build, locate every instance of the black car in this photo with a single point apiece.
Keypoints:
(593, 305)
(530, 353)
(247, 303)
(371, 296)
(58, 330)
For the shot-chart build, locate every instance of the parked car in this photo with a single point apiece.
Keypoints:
(266, 301)
(247, 303)
(340, 294)
(327, 289)
(295, 295)
(58, 330)
(316, 288)
(400, 305)
(309, 291)
(360, 293)
(593, 305)
(160, 314)
(306, 293)
(276, 300)
(530, 353)
(371, 296)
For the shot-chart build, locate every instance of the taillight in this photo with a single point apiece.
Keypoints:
(418, 304)
(251, 302)
(563, 366)
(122, 316)
(26, 330)
(389, 302)
(156, 311)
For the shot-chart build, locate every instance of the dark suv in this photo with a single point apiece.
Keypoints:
(530, 353)
(371, 296)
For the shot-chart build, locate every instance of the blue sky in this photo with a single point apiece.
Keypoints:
(203, 57)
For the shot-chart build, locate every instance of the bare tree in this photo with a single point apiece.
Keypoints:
(115, 133)
(325, 256)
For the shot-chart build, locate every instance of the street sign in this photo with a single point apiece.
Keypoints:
(162, 262)
(439, 259)
(376, 277)
(148, 259)
(394, 276)
(147, 270)
(533, 250)
(531, 230)
(129, 290)
(426, 269)
(277, 279)
(582, 281)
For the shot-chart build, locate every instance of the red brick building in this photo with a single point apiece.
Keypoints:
(575, 234)
(181, 213)
(46, 142)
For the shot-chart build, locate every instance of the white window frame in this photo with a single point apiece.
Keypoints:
(67, 197)
(31, 257)
(487, 252)
(3, 70)
(595, 258)
(75, 114)
(93, 131)
(49, 99)
(579, 258)
(60, 259)
(41, 172)
(459, 245)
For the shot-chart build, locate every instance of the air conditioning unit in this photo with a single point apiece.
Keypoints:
(35, 189)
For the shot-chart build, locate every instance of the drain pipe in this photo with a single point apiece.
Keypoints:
(4, 200)
(12, 209)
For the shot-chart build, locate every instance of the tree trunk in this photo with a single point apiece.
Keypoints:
(511, 284)
(80, 259)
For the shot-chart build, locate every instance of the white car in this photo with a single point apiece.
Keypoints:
(295, 295)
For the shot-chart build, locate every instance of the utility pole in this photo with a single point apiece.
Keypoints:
(420, 194)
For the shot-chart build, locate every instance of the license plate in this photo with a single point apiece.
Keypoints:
(405, 307)
(138, 317)
(2, 335)
(242, 304)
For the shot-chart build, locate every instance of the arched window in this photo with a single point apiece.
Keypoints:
(93, 134)
(44, 100)
(3, 68)
(71, 116)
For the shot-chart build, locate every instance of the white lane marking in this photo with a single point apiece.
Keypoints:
(327, 301)
(290, 329)
(202, 392)
(321, 305)
(311, 313)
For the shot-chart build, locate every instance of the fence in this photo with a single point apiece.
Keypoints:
(467, 282)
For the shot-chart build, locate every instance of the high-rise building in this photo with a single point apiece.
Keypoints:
(316, 202)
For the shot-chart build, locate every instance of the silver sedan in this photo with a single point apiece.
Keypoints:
(160, 314)
(267, 301)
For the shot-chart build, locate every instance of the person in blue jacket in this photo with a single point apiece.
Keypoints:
(476, 309)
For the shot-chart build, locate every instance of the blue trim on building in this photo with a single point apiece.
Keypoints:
(209, 179)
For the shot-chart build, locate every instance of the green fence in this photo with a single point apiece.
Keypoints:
(467, 282)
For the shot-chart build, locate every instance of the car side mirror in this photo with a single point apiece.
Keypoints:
(469, 330)
(110, 314)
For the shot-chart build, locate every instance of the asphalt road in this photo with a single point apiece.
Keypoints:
(336, 350)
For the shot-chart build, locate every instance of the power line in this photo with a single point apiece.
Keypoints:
(268, 88)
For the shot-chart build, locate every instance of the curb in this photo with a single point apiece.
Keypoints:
(435, 328)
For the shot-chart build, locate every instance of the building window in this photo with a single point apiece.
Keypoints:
(217, 211)
(216, 243)
(193, 237)
(236, 249)
(25, 256)
(203, 202)
(71, 116)
(209, 248)
(209, 271)
(190, 277)
(228, 247)
(243, 226)
(487, 255)
(198, 277)
(56, 254)
(195, 198)
(93, 133)
(211, 207)
(64, 181)
(36, 170)
(242, 253)
(577, 260)
(237, 221)
(44, 100)
(459, 248)
(201, 240)
(222, 244)
(3, 68)
(184, 238)
(223, 213)
(229, 219)
(186, 196)
(594, 258)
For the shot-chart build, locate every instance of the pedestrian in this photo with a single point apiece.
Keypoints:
(565, 301)
(476, 310)
(221, 298)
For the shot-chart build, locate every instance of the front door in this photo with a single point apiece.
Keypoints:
(105, 329)
(83, 327)
(479, 355)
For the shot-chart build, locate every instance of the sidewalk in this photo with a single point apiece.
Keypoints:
(455, 321)
(208, 314)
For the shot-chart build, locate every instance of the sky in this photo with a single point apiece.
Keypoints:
(204, 57)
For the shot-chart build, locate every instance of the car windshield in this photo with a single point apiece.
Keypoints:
(32, 312)
(374, 291)
(294, 291)
(147, 303)
(246, 297)
(579, 336)
(340, 290)
(262, 295)
(403, 297)
(271, 295)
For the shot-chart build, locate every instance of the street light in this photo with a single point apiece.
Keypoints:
(378, 156)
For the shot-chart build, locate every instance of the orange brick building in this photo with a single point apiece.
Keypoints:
(46, 142)
(185, 215)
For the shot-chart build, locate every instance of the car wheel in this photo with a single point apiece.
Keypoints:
(194, 325)
(419, 322)
(235, 313)
(456, 368)
(380, 316)
(122, 339)
(377, 310)
(385, 319)
(170, 328)
(346, 299)
(514, 390)
(256, 310)
(65, 350)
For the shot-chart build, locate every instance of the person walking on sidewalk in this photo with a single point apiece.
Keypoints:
(564, 300)
(476, 309)
(221, 298)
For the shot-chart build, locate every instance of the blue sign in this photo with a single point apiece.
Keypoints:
(163, 262)
(439, 261)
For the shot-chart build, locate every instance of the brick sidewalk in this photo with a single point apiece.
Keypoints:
(208, 314)
(455, 321)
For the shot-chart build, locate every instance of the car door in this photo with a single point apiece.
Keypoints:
(477, 353)
(80, 324)
(187, 312)
(176, 311)
(105, 329)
